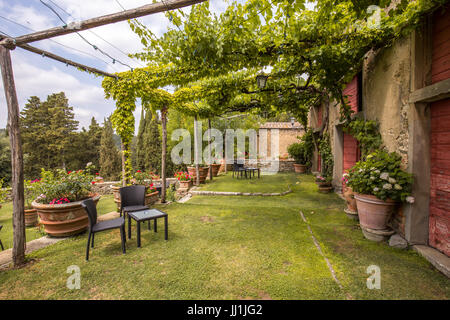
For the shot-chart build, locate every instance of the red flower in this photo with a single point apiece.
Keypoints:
(138, 171)
(68, 172)
(97, 174)
(93, 182)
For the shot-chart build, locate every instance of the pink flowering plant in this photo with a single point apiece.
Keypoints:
(64, 186)
(182, 176)
(381, 175)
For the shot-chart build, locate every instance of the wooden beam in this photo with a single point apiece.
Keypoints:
(66, 61)
(19, 240)
(148, 9)
(431, 93)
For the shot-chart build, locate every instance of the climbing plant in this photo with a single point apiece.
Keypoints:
(326, 156)
(367, 133)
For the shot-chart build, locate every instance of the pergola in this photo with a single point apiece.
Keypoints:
(6, 45)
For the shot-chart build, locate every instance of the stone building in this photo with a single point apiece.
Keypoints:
(288, 133)
(406, 88)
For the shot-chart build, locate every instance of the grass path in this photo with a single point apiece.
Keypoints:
(233, 248)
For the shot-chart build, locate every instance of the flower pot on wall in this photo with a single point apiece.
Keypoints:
(61, 220)
(299, 168)
(31, 217)
(374, 213)
(185, 184)
(203, 172)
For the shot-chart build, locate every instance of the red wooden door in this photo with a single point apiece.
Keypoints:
(351, 153)
(439, 219)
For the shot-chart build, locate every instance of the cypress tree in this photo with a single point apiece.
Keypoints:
(110, 162)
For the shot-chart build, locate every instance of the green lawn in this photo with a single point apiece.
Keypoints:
(265, 184)
(105, 205)
(233, 248)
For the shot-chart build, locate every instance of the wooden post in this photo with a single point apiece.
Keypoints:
(197, 171)
(124, 176)
(19, 236)
(163, 153)
(209, 137)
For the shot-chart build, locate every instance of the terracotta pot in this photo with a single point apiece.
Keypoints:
(203, 172)
(323, 184)
(215, 169)
(374, 213)
(31, 217)
(150, 198)
(299, 168)
(325, 189)
(185, 184)
(61, 220)
(350, 199)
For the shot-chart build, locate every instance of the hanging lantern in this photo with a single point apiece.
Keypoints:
(261, 80)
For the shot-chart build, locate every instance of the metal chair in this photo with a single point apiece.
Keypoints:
(95, 226)
(239, 169)
(1, 244)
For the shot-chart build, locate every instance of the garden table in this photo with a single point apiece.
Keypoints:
(146, 215)
(252, 171)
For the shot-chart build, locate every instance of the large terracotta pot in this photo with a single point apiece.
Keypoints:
(374, 213)
(215, 169)
(31, 217)
(203, 172)
(299, 168)
(350, 199)
(150, 198)
(61, 220)
(185, 184)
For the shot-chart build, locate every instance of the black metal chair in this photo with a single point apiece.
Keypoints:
(239, 169)
(132, 198)
(95, 226)
(1, 244)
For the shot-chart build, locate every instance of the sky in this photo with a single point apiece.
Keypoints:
(38, 76)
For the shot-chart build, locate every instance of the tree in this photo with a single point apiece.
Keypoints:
(148, 144)
(48, 133)
(5, 157)
(110, 162)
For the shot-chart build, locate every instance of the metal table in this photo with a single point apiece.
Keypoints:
(147, 215)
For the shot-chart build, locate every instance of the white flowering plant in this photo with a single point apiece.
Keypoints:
(381, 175)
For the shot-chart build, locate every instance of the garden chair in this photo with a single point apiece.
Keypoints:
(94, 226)
(239, 169)
(132, 199)
(1, 244)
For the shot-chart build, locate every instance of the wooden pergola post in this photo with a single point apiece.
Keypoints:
(197, 171)
(210, 157)
(19, 237)
(163, 153)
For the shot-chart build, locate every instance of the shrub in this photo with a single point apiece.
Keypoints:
(381, 175)
(297, 151)
(62, 186)
(3, 192)
(182, 176)
(31, 191)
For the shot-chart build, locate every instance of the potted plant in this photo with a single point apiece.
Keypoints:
(324, 183)
(184, 179)
(30, 193)
(202, 170)
(351, 210)
(59, 201)
(379, 185)
(297, 152)
(215, 167)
